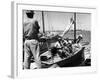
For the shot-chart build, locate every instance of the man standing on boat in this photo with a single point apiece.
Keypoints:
(31, 40)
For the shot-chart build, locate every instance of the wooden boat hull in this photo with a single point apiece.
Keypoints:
(74, 60)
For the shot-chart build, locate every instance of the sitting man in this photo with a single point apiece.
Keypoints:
(76, 46)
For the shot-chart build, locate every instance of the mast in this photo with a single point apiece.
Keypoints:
(43, 22)
(74, 27)
(44, 27)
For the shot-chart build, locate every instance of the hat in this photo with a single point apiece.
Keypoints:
(80, 35)
(30, 13)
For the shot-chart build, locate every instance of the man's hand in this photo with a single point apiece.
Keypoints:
(40, 35)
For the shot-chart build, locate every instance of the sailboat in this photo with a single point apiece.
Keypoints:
(49, 57)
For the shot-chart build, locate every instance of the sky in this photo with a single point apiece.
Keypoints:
(61, 20)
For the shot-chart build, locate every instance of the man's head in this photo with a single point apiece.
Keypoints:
(80, 36)
(30, 13)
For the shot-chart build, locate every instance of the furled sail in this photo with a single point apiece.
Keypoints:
(67, 28)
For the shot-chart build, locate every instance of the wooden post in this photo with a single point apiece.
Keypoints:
(75, 27)
(43, 22)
